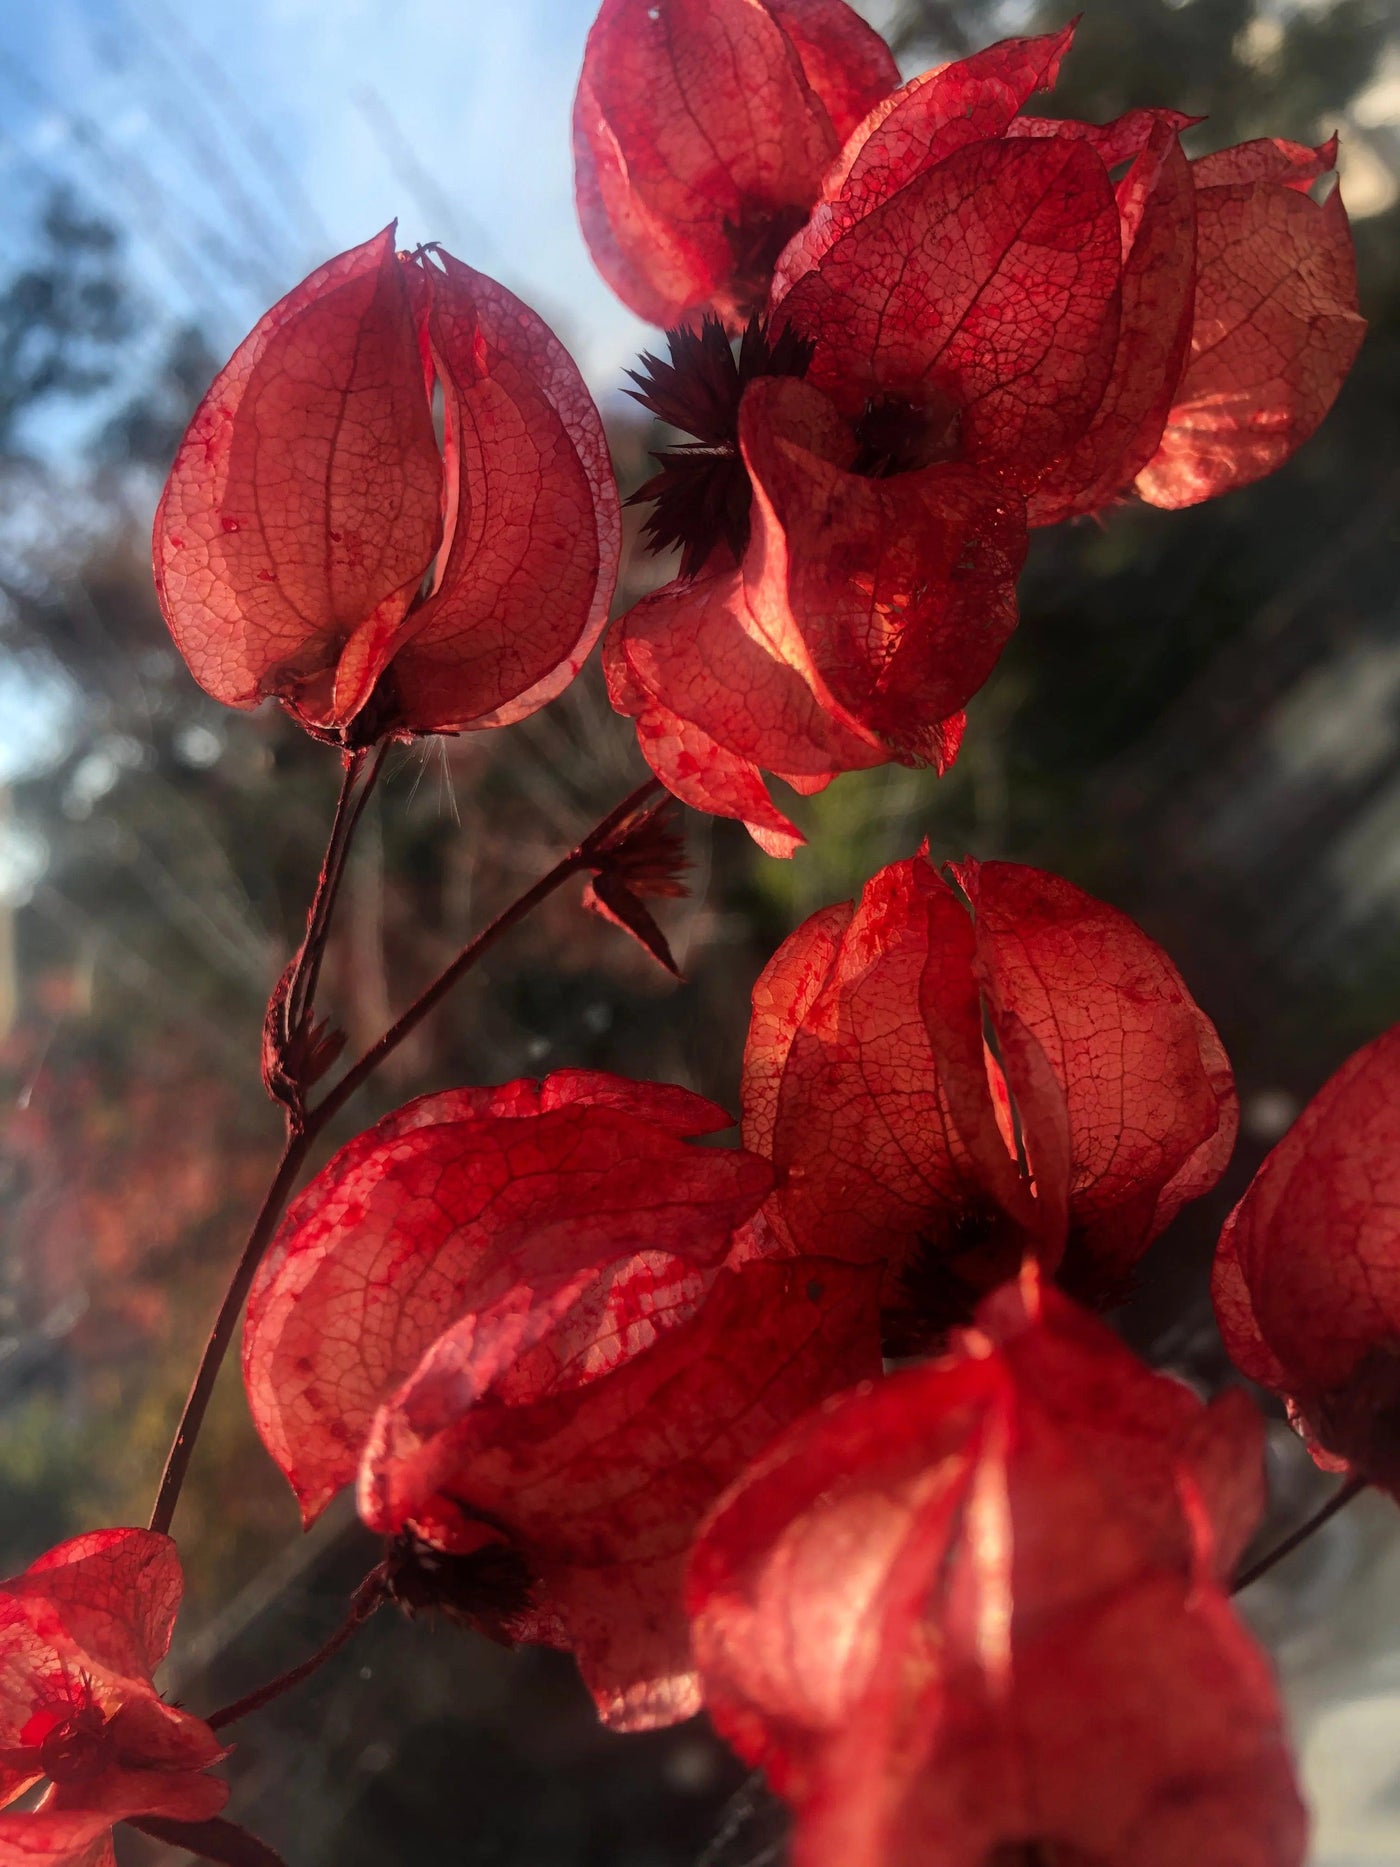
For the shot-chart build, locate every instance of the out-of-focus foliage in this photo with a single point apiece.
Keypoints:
(61, 316)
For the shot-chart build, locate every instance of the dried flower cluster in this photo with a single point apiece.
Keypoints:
(818, 1431)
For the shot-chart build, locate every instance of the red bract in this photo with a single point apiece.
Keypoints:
(865, 613)
(81, 1632)
(974, 282)
(1307, 1277)
(957, 1072)
(539, 1209)
(313, 544)
(970, 1614)
(963, 290)
(594, 1487)
(505, 1308)
(993, 333)
(702, 129)
(1275, 327)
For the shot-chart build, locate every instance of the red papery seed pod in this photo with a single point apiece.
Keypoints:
(1307, 1274)
(81, 1632)
(956, 1073)
(702, 129)
(315, 544)
(972, 1613)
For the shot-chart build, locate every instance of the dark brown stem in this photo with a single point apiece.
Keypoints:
(368, 1596)
(214, 1840)
(577, 859)
(1341, 1497)
(303, 1134)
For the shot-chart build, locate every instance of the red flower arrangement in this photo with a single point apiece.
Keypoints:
(976, 330)
(597, 1381)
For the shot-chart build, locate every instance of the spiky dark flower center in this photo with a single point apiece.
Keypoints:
(897, 436)
(701, 497)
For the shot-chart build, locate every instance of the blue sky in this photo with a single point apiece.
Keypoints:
(239, 144)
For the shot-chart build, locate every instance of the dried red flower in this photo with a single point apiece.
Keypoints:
(972, 1612)
(81, 1632)
(993, 334)
(644, 855)
(866, 612)
(702, 130)
(1307, 1276)
(314, 544)
(575, 1202)
(954, 1073)
(595, 1486)
(980, 269)
(506, 1311)
(965, 283)
(1275, 327)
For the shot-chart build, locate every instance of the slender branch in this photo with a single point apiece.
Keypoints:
(317, 914)
(1341, 1497)
(302, 1133)
(300, 996)
(212, 1840)
(197, 1403)
(577, 858)
(347, 818)
(368, 1596)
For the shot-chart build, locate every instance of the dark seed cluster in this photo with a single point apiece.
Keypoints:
(701, 497)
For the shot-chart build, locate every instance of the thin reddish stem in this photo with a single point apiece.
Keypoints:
(304, 1132)
(301, 989)
(577, 859)
(221, 1334)
(323, 900)
(348, 811)
(367, 1598)
(1339, 1499)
